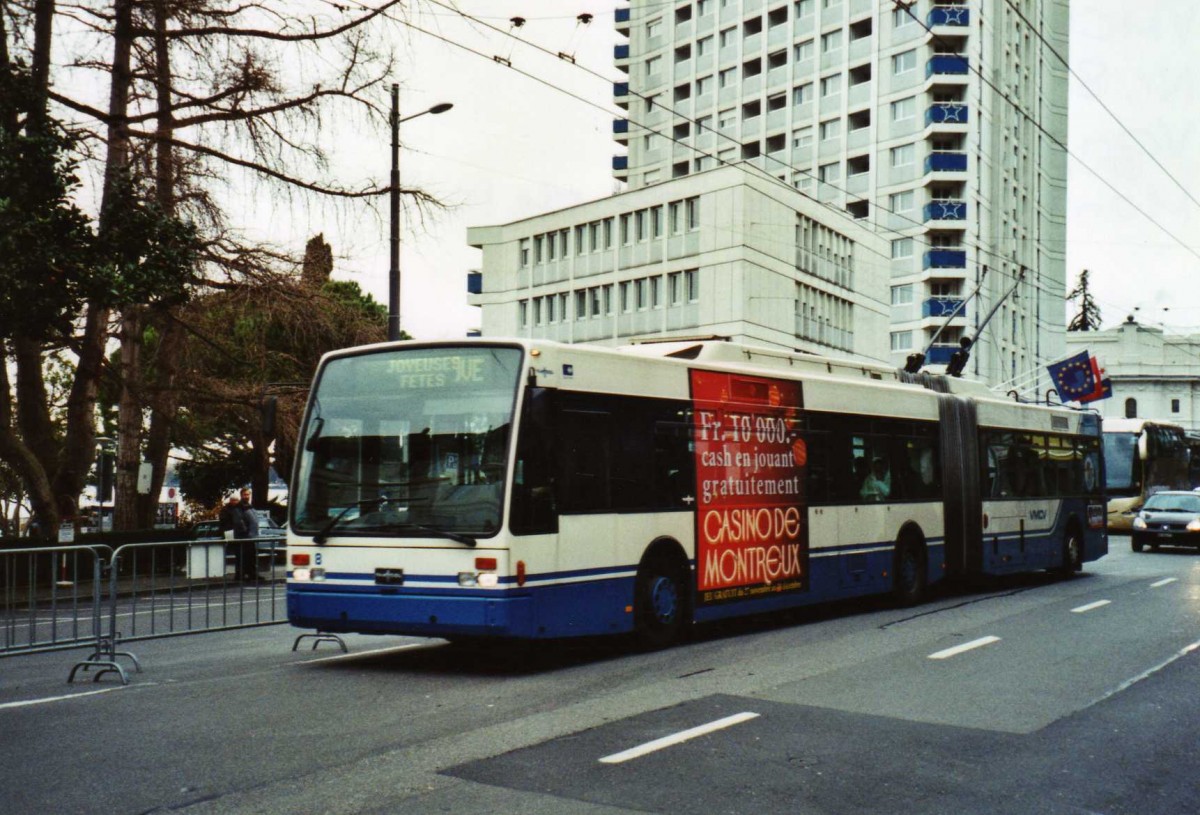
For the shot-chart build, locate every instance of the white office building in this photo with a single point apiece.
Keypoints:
(883, 113)
(1154, 375)
(729, 252)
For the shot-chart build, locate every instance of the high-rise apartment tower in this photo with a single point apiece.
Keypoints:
(942, 126)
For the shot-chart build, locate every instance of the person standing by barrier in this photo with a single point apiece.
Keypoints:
(233, 527)
(248, 560)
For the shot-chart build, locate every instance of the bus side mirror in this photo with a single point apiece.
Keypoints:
(1143, 446)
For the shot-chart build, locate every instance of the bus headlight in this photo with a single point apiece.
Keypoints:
(484, 580)
(1194, 525)
(1139, 522)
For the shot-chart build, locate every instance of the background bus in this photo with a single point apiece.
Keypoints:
(536, 490)
(1142, 457)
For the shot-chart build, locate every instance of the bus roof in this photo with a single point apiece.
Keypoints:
(1135, 426)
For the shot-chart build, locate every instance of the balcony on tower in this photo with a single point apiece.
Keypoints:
(621, 57)
(946, 162)
(940, 353)
(946, 65)
(946, 210)
(621, 20)
(621, 94)
(474, 282)
(944, 259)
(941, 306)
(958, 16)
(620, 129)
(946, 113)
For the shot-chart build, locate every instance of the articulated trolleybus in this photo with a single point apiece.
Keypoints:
(529, 489)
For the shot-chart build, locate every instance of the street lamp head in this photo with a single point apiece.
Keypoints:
(441, 107)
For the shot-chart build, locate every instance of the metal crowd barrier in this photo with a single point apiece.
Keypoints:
(72, 596)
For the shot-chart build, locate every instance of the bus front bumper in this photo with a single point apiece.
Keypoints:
(430, 614)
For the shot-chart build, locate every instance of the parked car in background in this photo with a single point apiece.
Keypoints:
(1168, 518)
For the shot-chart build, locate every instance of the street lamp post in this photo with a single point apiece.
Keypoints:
(394, 272)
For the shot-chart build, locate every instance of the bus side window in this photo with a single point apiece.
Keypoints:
(585, 458)
(533, 505)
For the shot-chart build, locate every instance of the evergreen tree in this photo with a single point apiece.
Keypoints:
(1088, 316)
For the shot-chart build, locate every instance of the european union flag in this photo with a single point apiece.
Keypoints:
(1074, 377)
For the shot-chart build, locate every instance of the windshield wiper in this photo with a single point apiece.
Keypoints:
(323, 534)
(438, 533)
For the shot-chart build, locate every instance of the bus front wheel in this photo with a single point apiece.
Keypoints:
(1072, 553)
(660, 602)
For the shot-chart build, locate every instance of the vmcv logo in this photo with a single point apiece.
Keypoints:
(1037, 514)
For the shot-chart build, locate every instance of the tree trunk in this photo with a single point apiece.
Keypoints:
(129, 423)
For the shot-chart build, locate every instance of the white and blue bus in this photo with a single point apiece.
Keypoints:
(529, 489)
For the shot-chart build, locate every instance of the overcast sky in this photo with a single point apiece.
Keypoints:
(513, 147)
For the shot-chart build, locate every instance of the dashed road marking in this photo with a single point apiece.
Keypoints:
(1090, 606)
(678, 738)
(966, 646)
(1163, 582)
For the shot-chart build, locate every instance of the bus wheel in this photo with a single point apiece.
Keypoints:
(660, 602)
(908, 572)
(1072, 553)
(1136, 544)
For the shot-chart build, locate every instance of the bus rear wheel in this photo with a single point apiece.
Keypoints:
(660, 602)
(908, 572)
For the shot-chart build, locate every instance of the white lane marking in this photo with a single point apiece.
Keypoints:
(1090, 606)
(47, 700)
(1163, 582)
(966, 646)
(678, 738)
(363, 653)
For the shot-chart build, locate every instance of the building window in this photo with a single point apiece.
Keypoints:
(639, 288)
(831, 129)
(653, 65)
(523, 313)
(902, 19)
(803, 50)
(525, 252)
(675, 288)
(802, 138)
(831, 85)
(704, 85)
(581, 305)
(902, 248)
(830, 173)
(691, 282)
(656, 292)
(1174, 405)
(804, 8)
(727, 77)
(728, 37)
(904, 62)
(693, 213)
(902, 341)
(902, 295)
(831, 41)
(626, 300)
(903, 156)
(654, 28)
(802, 93)
(901, 201)
(904, 109)
(704, 46)
(1130, 408)
(594, 296)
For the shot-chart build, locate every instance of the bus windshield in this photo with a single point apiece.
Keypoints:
(408, 442)
(1120, 457)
